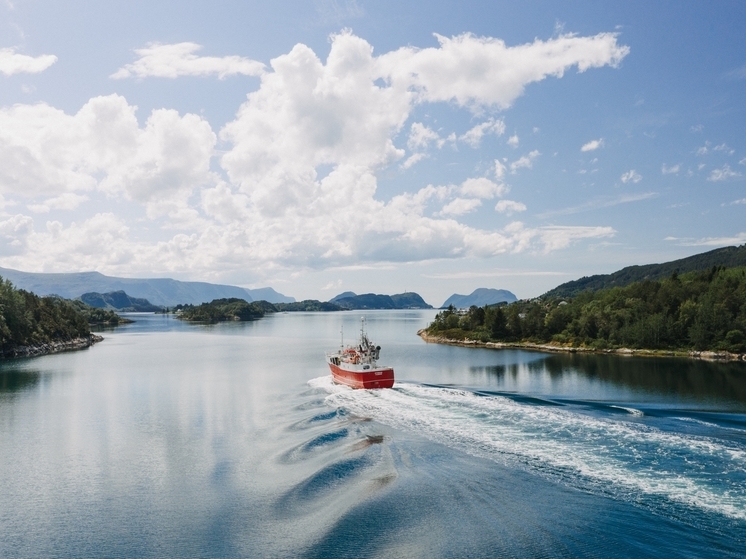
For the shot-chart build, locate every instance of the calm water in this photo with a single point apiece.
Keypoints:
(176, 440)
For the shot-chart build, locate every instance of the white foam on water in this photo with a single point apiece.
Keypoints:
(631, 411)
(606, 455)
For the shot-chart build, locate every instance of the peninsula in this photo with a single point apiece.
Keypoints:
(698, 314)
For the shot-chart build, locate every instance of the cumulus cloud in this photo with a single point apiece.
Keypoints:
(13, 63)
(525, 162)
(46, 152)
(65, 201)
(631, 176)
(723, 174)
(473, 137)
(482, 188)
(476, 71)
(593, 145)
(672, 170)
(420, 136)
(171, 61)
(513, 141)
(510, 207)
(298, 182)
(461, 206)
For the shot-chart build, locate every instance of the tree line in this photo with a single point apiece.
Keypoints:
(29, 320)
(693, 311)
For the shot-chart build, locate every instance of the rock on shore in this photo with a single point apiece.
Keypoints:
(704, 355)
(51, 347)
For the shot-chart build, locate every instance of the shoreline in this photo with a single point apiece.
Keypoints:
(50, 347)
(548, 348)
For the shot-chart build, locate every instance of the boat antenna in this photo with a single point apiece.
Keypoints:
(342, 334)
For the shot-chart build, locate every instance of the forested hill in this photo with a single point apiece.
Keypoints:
(33, 325)
(695, 311)
(728, 257)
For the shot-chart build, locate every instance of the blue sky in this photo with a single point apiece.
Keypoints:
(319, 147)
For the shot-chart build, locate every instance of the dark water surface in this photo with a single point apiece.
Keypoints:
(177, 440)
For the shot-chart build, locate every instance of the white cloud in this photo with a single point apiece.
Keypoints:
(482, 188)
(513, 141)
(474, 136)
(672, 170)
(600, 202)
(461, 206)
(631, 176)
(413, 159)
(559, 237)
(738, 202)
(724, 147)
(593, 145)
(499, 169)
(703, 150)
(738, 239)
(510, 207)
(45, 152)
(476, 71)
(13, 63)
(696, 128)
(525, 162)
(171, 61)
(722, 174)
(743, 161)
(420, 136)
(65, 201)
(300, 165)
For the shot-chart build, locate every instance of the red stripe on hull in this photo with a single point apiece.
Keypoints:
(375, 378)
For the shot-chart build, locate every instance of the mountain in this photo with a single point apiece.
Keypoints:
(344, 295)
(373, 301)
(159, 291)
(480, 297)
(118, 300)
(728, 257)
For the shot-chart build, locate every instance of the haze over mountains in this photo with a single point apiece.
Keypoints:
(480, 297)
(158, 291)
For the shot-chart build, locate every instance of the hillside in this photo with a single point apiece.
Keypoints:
(164, 292)
(480, 297)
(697, 311)
(373, 301)
(118, 300)
(33, 325)
(728, 257)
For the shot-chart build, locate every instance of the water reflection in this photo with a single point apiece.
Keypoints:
(15, 380)
(606, 376)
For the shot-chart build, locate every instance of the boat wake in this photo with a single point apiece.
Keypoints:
(618, 456)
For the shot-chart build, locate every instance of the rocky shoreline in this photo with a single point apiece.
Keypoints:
(705, 355)
(51, 347)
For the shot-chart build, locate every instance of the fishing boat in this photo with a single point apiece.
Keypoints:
(357, 365)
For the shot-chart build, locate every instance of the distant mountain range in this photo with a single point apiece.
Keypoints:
(164, 292)
(728, 257)
(480, 297)
(352, 301)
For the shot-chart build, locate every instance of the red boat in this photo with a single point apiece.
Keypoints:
(357, 366)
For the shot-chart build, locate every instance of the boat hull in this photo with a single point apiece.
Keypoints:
(372, 378)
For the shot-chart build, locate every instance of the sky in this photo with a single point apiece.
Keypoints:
(349, 145)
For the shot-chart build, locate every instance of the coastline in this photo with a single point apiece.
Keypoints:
(51, 347)
(548, 348)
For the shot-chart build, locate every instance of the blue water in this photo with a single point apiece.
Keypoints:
(178, 440)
